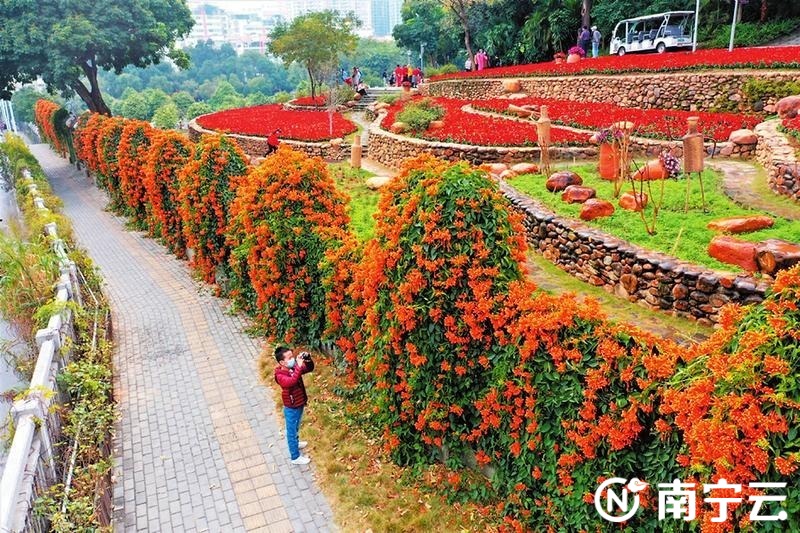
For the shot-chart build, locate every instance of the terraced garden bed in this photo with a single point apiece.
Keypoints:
(789, 57)
(682, 235)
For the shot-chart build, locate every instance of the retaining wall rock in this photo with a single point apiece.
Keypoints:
(691, 91)
(655, 280)
(779, 158)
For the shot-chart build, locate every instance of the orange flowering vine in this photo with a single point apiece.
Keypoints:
(134, 143)
(168, 154)
(208, 183)
(285, 216)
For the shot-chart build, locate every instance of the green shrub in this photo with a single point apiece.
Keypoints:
(389, 98)
(444, 69)
(419, 115)
(756, 89)
(753, 33)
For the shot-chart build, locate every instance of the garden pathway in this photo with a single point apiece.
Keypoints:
(746, 185)
(198, 446)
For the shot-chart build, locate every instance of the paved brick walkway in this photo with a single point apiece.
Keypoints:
(198, 446)
(743, 184)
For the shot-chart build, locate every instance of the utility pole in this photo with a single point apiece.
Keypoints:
(421, 55)
(696, 22)
(733, 24)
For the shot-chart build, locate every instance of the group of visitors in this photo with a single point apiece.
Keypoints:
(481, 61)
(590, 37)
(403, 74)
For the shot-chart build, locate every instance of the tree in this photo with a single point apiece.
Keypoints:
(315, 40)
(425, 21)
(182, 100)
(460, 9)
(67, 43)
(135, 106)
(166, 116)
(24, 101)
(197, 109)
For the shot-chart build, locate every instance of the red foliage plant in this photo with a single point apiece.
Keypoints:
(300, 125)
(134, 143)
(702, 59)
(168, 153)
(284, 218)
(309, 101)
(208, 184)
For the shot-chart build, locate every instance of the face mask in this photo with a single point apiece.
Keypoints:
(290, 363)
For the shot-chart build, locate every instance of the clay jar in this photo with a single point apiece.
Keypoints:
(609, 161)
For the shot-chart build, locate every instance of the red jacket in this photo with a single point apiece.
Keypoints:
(293, 391)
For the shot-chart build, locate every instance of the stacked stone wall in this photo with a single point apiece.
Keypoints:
(690, 91)
(655, 280)
(780, 158)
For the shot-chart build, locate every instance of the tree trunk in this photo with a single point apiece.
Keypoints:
(776, 254)
(763, 14)
(92, 96)
(313, 87)
(586, 13)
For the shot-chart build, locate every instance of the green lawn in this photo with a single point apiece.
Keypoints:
(683, 235)
(363, 201)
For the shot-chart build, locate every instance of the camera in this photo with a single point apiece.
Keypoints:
(304, 355)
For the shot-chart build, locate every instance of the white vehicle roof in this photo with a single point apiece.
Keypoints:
(657, 15)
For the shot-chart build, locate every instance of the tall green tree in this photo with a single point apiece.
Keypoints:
(316, 41)
(426, 21)
(67, 42)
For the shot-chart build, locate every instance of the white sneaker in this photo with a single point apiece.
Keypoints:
(302, 444)
(302, 460)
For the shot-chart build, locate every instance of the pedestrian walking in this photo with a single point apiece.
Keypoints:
(273, 142)
(585, 39)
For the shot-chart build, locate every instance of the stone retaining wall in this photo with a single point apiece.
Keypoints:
(691, 91)
(656, 280)
(780, 159)
(257, 146)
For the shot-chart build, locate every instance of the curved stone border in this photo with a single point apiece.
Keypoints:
(391, 149)
(780, 159)
(691, 91)
(257, 146)
(654, 279)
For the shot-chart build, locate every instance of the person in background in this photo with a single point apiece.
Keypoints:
(289, 375)
(597, 37)
(384, 77)
(273, 142)
(468, 64)
(415, 73)
(398, 75)
(481, 59)
(584, 39)
(356, 76)
(362, 89)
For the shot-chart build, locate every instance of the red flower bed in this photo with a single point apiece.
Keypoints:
(308, 101)
(792, 126)
(468, 128)
(264, 119)
(788, 57)
(656, 123)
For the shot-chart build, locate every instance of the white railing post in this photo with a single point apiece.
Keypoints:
(16, 488)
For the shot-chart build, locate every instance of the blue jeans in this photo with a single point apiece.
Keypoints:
(595, 48)
(293, 416)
